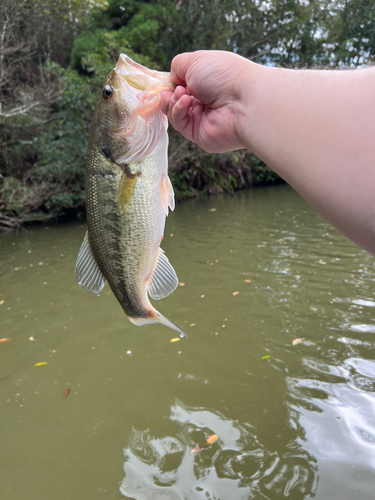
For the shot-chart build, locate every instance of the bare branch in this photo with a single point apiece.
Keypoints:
(19, 110)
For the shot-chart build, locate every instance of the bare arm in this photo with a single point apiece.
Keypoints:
(316, 129)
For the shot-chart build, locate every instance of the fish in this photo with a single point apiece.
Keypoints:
(129, 194)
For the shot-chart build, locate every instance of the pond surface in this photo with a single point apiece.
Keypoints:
(295, 421)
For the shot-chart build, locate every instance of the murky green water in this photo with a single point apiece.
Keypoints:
(298, 424)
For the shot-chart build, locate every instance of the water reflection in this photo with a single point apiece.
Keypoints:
(336, 414)
(238, 466)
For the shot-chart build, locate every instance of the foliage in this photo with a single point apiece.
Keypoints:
(96, 53)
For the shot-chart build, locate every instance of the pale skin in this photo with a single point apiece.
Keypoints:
(315, 128)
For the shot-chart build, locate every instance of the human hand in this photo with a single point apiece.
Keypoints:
(208, 103)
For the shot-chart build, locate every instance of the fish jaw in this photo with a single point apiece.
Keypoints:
(142, 78)
(141, 88)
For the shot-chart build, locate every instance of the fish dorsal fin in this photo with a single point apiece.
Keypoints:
(164, 279)
(87, 271)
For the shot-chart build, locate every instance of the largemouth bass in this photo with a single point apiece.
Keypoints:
(128, 194)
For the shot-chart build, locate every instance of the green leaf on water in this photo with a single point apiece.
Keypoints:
(265, 357)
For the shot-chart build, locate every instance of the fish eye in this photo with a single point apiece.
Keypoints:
(107, 92)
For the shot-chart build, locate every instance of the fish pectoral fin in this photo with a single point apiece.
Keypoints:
(164, 279)
(126, 188)
(167, 194)
(87, 271)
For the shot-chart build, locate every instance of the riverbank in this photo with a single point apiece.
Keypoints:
(193, 172)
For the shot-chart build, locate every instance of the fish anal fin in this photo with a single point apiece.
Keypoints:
(164, 279)
(87, 272)
(167, 194)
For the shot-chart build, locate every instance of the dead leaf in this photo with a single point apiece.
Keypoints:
(176, 339)
(282, 239)
(195, 450)
(5, 340)
(297, 341)
(2, 302)
(66, 392)
(287, 269)
(212, 439)
(235, 293)
(192, 324)
(247, 281)
(41, 364)
(181, 284)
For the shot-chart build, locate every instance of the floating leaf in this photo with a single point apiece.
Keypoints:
(235, 293)
(212, 439)
(5, 340)
(281, 239)
(265, 357)
(212, 210)
(41, 364)
(31, 338)
(2, 302)
(181, 284)
(287, 269)
(297, 341)
(176, 339)
(247, 281)
(66, 392)
(192, 324)
(195, 450)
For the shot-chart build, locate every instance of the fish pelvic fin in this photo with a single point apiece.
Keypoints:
(164, 279)
(156, 317)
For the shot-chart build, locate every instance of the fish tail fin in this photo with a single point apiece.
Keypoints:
(156, 317)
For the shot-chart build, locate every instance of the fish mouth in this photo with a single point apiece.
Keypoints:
(140, 78)
(140, 88)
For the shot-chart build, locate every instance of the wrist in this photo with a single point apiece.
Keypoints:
(248, 83)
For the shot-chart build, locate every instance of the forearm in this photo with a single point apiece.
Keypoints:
(316, 129)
